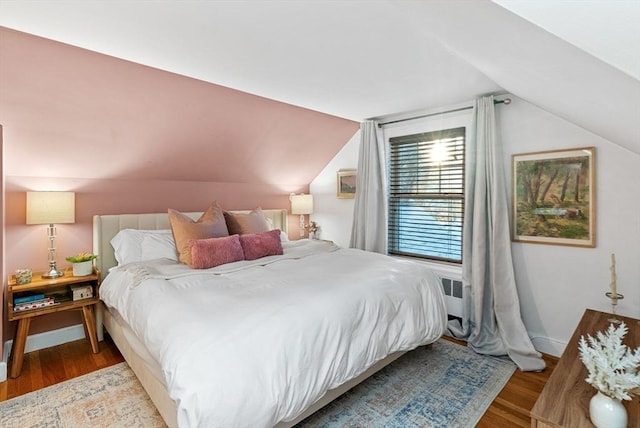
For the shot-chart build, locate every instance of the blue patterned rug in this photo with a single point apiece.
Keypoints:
(441, 385)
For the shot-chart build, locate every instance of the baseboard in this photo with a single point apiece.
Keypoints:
(548, 346)
(44, 340)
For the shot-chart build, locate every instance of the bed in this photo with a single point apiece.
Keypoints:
(299, 333)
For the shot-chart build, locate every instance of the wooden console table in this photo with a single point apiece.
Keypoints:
(564, 401)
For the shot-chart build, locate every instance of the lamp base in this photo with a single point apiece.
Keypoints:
(53, 272)
(301, 226)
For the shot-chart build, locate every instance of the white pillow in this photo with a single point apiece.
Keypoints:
(283, 235)
(131, 245)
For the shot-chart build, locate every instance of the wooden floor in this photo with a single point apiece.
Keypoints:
(53, 365)
(59, 363)
(511, 407)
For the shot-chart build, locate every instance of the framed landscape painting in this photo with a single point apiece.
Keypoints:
(346, 183)
(553, 197)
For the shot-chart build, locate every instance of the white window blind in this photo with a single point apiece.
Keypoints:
(426, 194)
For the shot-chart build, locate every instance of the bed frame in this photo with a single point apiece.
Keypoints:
(105, 227)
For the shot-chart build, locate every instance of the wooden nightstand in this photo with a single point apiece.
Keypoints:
(59, 287)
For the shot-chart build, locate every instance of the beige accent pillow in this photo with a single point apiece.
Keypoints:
(211, 224)
(241, 223)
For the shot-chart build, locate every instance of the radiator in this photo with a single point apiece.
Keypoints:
(453, 296)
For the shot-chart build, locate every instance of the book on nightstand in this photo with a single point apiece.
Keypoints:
(27, 298)
(47, 301)
(60, 297)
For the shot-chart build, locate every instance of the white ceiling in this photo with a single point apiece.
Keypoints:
(607, 29)
(353, 59)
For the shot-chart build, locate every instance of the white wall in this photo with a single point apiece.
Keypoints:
(555, 283)
(333, 215)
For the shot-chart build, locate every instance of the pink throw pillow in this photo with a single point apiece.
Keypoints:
(211, 252)
(261, 244)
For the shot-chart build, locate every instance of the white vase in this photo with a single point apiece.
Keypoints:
(607, 412)
(83, 268)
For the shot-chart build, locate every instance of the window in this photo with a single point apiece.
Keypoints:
(426, 194)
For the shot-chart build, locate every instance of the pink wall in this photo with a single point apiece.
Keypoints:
(131, 139)
(28, 244)
(2, 239)
(136, 122)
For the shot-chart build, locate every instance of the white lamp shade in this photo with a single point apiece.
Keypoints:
(301, 204)
(51, 207)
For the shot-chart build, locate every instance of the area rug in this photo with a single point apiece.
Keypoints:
(441, 385)
(110, 397)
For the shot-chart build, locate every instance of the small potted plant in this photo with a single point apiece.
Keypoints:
(82, 263)
(614, 370)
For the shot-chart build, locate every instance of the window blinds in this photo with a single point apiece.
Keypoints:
(426, 194)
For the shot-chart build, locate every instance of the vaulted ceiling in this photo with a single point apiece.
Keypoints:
(360, 59)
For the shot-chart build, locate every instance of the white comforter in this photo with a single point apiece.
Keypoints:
(250, 344)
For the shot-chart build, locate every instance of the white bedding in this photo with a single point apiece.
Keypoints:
(250, 344)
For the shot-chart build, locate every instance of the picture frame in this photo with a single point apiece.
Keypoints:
(346, 180)
(553, 197)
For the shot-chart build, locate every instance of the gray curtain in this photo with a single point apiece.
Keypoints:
(492, 323)
(369, 230)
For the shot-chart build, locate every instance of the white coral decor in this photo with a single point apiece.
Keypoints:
(614, 369)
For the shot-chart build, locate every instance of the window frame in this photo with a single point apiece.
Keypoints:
(455, 119)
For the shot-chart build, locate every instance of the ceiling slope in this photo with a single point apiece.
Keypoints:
(352, 59)
(359, 59)
(70, 112)
(536, 66)
(609, 30)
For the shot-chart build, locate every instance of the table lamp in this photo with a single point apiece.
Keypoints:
(301, 204)
(50, 208)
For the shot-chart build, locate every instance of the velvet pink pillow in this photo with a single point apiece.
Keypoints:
(263, 244)
(211, 252)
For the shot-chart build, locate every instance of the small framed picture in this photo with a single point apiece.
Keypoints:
(554, 197)
(346, 183)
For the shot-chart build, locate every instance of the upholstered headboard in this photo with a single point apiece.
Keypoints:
(105, 227)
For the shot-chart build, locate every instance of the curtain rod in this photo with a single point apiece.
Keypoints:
(506, 101)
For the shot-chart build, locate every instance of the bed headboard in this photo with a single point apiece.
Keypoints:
(105, 227)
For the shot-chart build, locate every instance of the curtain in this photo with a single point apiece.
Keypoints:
(369, 230)
(491, 323)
